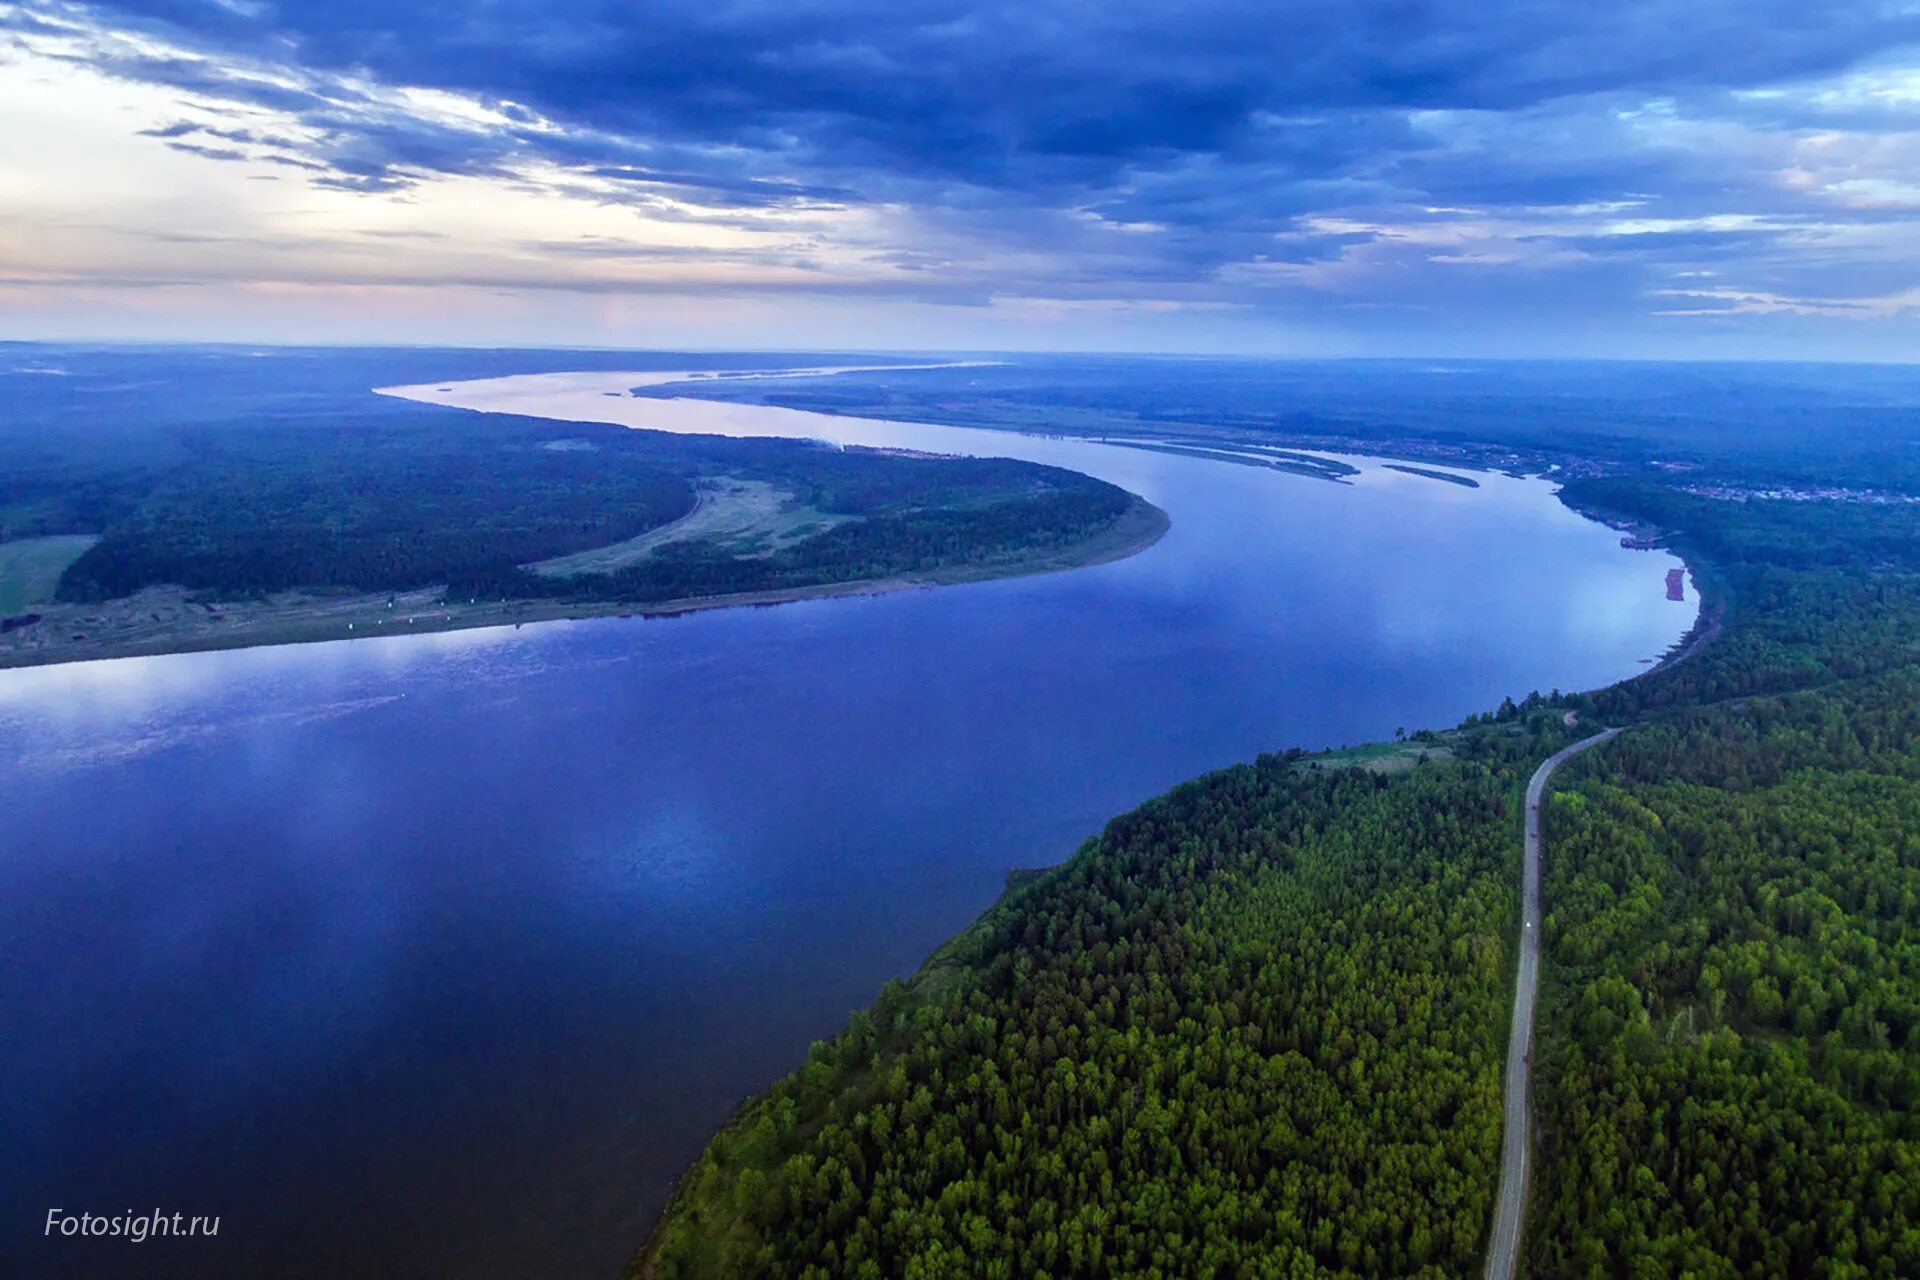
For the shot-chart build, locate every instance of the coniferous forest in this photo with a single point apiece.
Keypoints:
(353, 500)
(1257, 1026)
(1732, 1059)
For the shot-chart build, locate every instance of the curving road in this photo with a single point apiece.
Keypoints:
(1509, 1215)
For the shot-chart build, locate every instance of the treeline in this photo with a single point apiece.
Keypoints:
(881, 545)
(1778, 425)
(406, 501)
(388, 513)
(1255, 1028)
(1731, 1031)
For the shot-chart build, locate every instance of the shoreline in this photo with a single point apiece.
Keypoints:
(309, 618)
(932, 980)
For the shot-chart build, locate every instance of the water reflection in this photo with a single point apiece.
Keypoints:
(444, 953)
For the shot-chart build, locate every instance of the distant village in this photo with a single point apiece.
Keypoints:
(1796, 493)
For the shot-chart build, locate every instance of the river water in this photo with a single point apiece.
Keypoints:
(443, 954)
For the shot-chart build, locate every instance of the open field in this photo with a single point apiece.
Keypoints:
(1381, 757)
(739, 517)
(30, 568)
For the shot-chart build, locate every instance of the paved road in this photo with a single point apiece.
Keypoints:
(1503, 1249)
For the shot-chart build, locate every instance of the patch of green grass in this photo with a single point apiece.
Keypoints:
(1382, 757)
(30, 568)
(734, 517)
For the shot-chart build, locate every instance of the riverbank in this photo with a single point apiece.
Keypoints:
(666, 820)
(163, 620)
(704, 1196)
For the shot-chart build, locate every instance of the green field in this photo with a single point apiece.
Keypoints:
(30, 568)
(737, 517)
(1383, 757)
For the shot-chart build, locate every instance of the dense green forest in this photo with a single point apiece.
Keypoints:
(913, 515)
(396, 501)
(1732, 1015)
(1255, 1028)
(380, 506)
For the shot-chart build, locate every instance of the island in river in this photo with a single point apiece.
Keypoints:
(375, 521)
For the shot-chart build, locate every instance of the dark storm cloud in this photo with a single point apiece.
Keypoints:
(1025, 97)
(1131, 145)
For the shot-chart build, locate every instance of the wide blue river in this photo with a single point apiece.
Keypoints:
(443, 955)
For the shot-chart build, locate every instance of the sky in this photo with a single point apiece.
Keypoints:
(1713, 179)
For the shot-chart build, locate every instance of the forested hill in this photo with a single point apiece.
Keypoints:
(1255, 1028)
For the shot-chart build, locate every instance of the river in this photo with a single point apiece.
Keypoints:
(444, 954)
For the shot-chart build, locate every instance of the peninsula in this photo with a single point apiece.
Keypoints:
(377, 521)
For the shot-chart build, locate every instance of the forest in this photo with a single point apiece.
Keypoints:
(1253, 1028)
(1256, 1027)
(1731, 1015)
(372, 500)
(913, 515)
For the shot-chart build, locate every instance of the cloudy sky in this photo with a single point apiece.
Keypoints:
(1712, 178)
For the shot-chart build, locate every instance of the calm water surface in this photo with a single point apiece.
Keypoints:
(427, 955)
